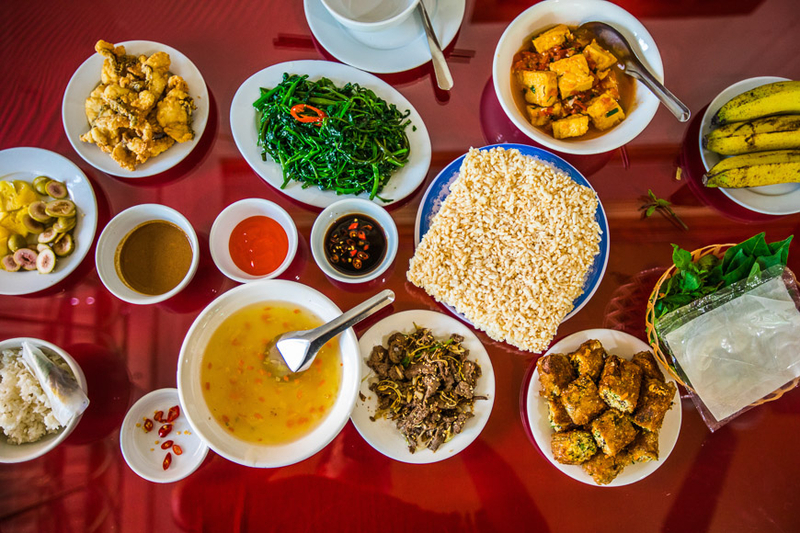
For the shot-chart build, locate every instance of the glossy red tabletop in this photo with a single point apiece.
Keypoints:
(740, 478)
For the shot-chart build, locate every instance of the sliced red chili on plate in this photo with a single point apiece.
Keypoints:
(167, 461)
(166, 445)
(173, 414)
(308, 114)
(164, 430)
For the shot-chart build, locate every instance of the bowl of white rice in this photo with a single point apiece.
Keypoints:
(28, 428)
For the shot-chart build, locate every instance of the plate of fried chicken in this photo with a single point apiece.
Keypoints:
(135, 109)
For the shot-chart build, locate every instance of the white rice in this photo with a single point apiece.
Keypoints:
(25, 412)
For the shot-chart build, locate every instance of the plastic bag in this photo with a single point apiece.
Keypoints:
(737, 345)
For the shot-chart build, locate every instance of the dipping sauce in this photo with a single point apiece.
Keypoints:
(258, 245)
(249, 398)
(154, 257)
(355, 244)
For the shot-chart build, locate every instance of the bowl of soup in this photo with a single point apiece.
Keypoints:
(147, 254)
(248, 407)
(562, 87)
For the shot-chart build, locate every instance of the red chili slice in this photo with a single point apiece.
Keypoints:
(167, 461)
(177, 449)
(164, 430)
(167, 444)
(305, 118)
(148, 425)
(173, 414)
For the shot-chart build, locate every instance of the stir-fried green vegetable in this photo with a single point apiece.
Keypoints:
(345, 139)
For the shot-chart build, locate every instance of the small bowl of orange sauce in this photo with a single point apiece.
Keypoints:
(253, 239)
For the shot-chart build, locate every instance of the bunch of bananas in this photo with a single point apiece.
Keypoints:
(760, 129)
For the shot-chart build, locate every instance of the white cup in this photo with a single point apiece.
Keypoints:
(381, 24)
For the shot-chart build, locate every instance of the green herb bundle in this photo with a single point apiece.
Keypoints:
(695, 279)
(353, 144)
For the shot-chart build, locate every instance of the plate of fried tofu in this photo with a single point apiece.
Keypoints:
(602, 409)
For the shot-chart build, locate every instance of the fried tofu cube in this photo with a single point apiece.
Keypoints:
(541, 86)
(572, 447)
(605, 112)
(588, 359)
(648, 364)
(609, 83)
(599, 56)
(542, 116)
(575, 64)
(552, 37)
(644, 447)
(582, 400)
(555, 373)
(603, 468)
(654, 402)
(558, 417)
(572, 126)
(571, 83)
(612, 431)
(620, 382)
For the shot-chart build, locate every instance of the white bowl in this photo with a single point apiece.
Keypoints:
(13, 453)
(140, 450)
(118, 228)
(189, 382)
(227, 221)
(333, 213)
(541, 17)
(384, 24)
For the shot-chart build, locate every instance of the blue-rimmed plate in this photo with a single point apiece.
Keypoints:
(440, 188)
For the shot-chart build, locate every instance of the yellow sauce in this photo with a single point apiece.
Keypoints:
(154, 257)
(249, 398)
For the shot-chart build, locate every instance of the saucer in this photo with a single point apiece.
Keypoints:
(446, 17)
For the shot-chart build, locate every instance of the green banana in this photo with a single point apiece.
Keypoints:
(772, 99)
(770, 133)
(755, 170)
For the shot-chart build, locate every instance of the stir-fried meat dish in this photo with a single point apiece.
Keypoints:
(425, 385)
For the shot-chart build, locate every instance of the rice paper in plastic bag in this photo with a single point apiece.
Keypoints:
(739, 344)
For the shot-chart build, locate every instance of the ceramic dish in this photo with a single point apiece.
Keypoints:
(440, 188)
(545, 15)
(227, 221)
(623, 345)
(446, 16)
(142, 450)
(190, 385)
(87, 77)
(119, 227)
(26, 164)
(382, 434)
(18, 453)
(783, 199)
(401, 184)
(336, 211)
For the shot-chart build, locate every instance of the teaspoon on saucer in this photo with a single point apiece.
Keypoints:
(443, 77)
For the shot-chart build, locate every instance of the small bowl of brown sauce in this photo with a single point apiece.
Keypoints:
(147, 254)
(354, 240)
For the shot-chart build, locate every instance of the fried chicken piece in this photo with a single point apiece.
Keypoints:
(175, 111)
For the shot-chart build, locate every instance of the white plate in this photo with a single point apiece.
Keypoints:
(243, 126)
(782, 199)
(622, 345)
(87, 77)
(140, 450)
(382, 434)
(26, 164)
(446, 17)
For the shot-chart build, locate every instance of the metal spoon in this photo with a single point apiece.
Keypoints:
(633, 67)
(443, 77)
(299, 348)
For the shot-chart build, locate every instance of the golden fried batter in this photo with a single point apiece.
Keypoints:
(139, 109)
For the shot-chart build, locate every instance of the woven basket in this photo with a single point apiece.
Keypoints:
(718, 250)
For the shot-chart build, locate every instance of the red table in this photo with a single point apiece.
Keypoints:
(741, 478)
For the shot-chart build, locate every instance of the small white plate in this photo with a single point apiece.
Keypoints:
(87, 77)
(243, 126)
(782, 199)
(142, 451)
(382, 434)
(446, 17)
(25, 164)
(622, 345)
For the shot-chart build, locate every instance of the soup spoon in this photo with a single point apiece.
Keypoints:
(633, 67)
(299, 348)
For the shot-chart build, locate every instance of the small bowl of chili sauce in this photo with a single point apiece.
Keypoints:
(253, 239)
(354, 240)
